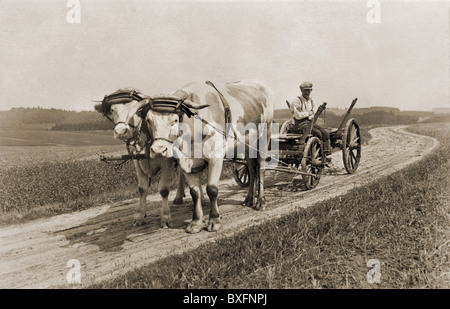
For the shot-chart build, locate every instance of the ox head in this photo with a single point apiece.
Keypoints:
(163, 115)
(123, 109)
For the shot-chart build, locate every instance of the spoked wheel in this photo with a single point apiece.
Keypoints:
(351, 146)
(285, 126)
(312, 162)
(241, 175)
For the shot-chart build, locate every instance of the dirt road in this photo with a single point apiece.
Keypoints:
(102, 239)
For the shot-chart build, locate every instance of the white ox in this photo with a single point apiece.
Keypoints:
(122, 108)
(244, 103)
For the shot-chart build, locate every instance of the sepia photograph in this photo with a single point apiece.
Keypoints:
(225, 152)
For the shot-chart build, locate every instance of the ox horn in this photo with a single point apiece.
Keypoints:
(143, 110)
(193, 105)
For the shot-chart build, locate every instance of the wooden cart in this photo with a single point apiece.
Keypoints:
(303, 153)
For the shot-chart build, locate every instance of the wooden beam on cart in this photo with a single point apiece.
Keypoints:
(344, 120)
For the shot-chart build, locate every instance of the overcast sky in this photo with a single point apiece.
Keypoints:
(158, 46)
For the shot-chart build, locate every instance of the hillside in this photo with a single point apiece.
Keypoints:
(48, 119)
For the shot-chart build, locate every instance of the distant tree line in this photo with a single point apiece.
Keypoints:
(83, 126)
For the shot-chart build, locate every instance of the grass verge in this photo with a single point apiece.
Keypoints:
(402, 221)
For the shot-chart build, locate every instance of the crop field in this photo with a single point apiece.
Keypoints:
(48, 172)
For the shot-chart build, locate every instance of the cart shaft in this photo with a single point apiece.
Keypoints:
(138, 156)
(291, 171)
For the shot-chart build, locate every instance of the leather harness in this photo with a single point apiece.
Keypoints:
(224, 102)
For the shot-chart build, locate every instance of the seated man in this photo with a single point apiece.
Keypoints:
(303, 109)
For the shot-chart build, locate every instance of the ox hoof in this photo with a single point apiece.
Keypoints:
(138, 222)
(260, 205)
(248, 202)
(178, 200)
(166, 222)
(138, 219)
(213, 225)
(195, 227)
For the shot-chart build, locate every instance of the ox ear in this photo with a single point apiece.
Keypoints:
(98, 108)
(193, 105)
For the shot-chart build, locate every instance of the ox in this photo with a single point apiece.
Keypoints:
(239, 103)
(122, 108)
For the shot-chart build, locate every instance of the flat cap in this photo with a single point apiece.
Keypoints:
(306, 85)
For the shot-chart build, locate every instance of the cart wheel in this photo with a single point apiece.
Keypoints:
(285, 126)
(351, 146)
(312, 162)
(241, 175)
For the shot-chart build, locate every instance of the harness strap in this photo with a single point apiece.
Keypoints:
(163, 139)
(123, 122)
(224, 102)
(136, 142)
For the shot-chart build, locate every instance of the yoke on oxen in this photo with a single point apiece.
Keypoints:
(121, 96)
(170, 104)
(161, 103)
